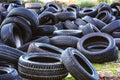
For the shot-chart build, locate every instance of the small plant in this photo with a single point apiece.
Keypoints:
(85, 3)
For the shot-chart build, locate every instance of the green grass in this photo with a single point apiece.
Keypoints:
(107, 69)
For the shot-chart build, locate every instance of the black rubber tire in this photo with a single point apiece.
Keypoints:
(11, 6)
(45, 30)
(99, 23)
(43, 39)
(92, 12)
(114, 6)
(47, 67)
(51, 9)
(78, 65)
(23, 25)
(117, 41)
(10, 54)
(105, 16)
(69, 9)
(64, 41)
(63, 16)
(33, 5)
(89, 28)
(104, 7)
(74, 6)
(76, 33)
(43, 47)
(47, 18)
(6, 64)
(109, 28)
(70, 25)
(8, 73)
(60, 25)
(89, 19)
(107, 54)
(80, 22)
(116, 34)
(28, 15)
(1, 18)
(54, 5)
(9, 33)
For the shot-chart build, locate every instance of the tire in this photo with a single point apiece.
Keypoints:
(24, 27)
(34, 5)
(105, 7)
(105, 16)
(63, 16)
(54, 5)
(44, 30)
(46, 17)
(51, 9)
(117, 41)
(109, 27)
(64, 41)
(116, 34)
(28, 15)
(74, 6)
(12, 54)
(69, 25)
(8, 73)
(92, 12)
(43, 47)
(11, 35)
(76, 33)
(12, 5)
(47, 67)
(115, 9)
(6, 64)
(89, 28)
(89, 19)
(44, 39)
(80, 22)
(78, 65)
(106, 54)
(99, 23)
(69, 9)
(60, 25)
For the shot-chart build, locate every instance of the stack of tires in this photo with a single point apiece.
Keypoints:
(48, 42)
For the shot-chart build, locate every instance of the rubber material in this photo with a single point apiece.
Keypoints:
(44, 39)
(76, 33)
(8, 73)
(64, 41)
(46, 67)
(43, 47)
(78, 65)
(106, 54)
(28, 15)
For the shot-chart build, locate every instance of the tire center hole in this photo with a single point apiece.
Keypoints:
(2, 72)
(83, 64)
(43, 59)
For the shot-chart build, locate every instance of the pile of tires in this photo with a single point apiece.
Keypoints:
(47, 42)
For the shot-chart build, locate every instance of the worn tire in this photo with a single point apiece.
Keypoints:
(64, 41)
(43, 47)
(9, 34)
(8, 73)
(106, 54)
(45, 67)
(28, 15)
(76, 33)
(23, 25)
(78, 65)
(12, 54)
